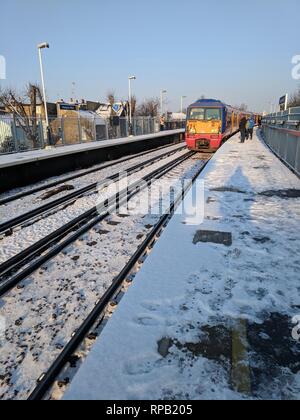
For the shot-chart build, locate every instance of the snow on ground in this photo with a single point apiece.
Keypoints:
(23, 238)
(205, 320)
(44, 311)
(27, 203)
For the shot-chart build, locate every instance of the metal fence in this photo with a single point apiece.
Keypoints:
(282, 134)
(72, 130)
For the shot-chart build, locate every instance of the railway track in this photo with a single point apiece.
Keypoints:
(96, 316)
(19, 267)
(18, 196)
(43, 211)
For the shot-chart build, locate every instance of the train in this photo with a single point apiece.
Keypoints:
(211, 122)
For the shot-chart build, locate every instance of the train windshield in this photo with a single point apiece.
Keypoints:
(205, 114)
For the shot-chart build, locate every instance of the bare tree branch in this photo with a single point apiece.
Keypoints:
(23, 108)
(149, 108)
(295, 99)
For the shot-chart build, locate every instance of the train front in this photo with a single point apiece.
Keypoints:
(204, 126)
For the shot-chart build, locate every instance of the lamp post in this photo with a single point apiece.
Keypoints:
(40, 48)
(182, 98)
(162, 92)
(130, 78)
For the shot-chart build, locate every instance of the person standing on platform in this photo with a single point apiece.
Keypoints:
(243, 124)
(162, 123)
(251, 126)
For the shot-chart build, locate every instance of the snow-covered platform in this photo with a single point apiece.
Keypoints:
(211, 313)
(16, 159)
(20, 169)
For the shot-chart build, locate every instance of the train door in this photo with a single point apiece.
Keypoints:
(233, 123)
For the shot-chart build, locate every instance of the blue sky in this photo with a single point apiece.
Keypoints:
(232, 50)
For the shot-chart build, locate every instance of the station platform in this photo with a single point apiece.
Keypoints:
(24, 168)
(211, 314)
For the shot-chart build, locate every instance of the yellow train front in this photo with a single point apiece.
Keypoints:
(209, 123)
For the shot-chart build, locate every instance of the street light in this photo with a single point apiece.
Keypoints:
(162, 92)
(40, 48)
(182, 98)
(130, 78)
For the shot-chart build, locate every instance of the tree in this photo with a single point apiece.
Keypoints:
(149, 108)
(23, 109)
(133, 104)
(295, 99)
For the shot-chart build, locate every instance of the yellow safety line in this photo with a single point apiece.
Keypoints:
(240, 371)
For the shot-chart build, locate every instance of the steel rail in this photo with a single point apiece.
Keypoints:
(82, 224)
(68, 199)
(23, 194)
(47, 380)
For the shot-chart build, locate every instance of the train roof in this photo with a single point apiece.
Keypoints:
(208, 102)
(218, 103)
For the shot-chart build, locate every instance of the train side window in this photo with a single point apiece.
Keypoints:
(229, 118)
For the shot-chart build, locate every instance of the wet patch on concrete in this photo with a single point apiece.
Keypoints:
(215, 344)
(285, 194)
(215, 237)
(260, 157)
(211, 200)
(213, 218)
(229, 189)
(274, 356)
(261, 359)
(264, 167)
(164, 345)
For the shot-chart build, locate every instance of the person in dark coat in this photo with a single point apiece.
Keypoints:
(243, 130)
